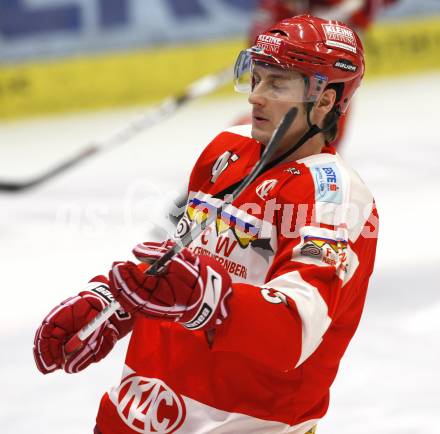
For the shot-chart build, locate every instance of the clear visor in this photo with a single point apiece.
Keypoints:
(255, 76)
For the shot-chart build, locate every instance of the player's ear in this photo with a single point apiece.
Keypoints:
(327, 100)
(323, 106)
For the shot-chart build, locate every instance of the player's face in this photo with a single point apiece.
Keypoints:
(274, 92)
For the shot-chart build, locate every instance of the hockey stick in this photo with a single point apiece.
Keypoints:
(76, 341)
(343, 12)
(201, 87)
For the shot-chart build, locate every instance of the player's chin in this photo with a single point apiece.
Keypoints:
(263, 135)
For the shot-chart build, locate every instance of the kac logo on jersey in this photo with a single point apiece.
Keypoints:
(265, 188)
(148, 405)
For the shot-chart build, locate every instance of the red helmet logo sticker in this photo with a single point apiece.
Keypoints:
(269, 44)
(148, 405)
(340, 37)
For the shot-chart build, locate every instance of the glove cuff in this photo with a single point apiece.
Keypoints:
(217, 284)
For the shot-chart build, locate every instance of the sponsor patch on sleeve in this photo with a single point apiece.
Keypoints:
(327, 179)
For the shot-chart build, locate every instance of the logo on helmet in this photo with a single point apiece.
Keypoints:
(345, 65)
(148, 405)
(270, 44)
(340, 36)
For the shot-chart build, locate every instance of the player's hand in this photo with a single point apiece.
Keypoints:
(191, 289)
(68, 318)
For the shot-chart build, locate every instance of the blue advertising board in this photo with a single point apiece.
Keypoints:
(52, 28)
(48, 28)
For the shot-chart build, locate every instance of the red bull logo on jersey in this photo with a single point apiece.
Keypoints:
(148, 405)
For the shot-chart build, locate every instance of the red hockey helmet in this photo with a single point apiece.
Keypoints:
(322, 51)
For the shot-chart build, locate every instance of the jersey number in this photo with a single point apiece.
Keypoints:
(222, 163)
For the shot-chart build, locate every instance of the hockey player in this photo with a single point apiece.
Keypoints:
(359, 14)
(244, 331)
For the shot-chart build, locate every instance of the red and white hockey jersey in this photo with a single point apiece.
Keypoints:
(299, 244)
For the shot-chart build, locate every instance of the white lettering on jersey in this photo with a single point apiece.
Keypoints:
(221, 164)
(273, 297)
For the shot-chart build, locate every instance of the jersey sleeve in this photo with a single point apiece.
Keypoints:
(282, 322)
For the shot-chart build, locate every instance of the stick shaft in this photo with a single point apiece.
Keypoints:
(76, 341)
(199, 88)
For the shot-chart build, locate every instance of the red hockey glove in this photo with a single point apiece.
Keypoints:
(69, 317)
(191, 290)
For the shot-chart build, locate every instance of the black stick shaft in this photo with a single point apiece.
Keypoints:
(198, 88)
(196, 231)
(76, 341)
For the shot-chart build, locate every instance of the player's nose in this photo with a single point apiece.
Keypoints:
(257, 97)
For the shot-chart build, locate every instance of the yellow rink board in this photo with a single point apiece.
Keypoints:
(116, 79)
(146, 76)
(403, 47)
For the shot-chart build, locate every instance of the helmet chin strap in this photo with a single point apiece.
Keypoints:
(312, 131)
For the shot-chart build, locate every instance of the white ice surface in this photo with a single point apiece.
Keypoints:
(54, 238)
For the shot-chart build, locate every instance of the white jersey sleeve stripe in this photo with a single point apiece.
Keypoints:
(311, 308)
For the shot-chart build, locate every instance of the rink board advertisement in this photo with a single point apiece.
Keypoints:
(135, 77)
(402, 47)
(54, 28)
(94, 54)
